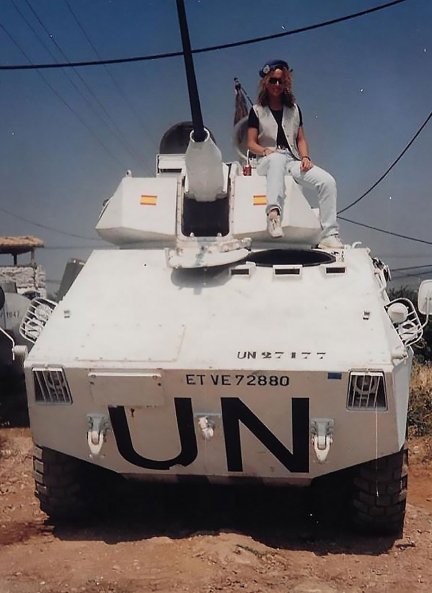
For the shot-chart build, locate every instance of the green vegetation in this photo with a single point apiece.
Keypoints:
(420, 403)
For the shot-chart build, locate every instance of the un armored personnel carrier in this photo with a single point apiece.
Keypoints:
(231, 356)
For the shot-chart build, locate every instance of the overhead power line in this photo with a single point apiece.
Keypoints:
(374, 228)
(116, 85)
(65, 103)
(117, 131)
(48, 228)
(414, 275)
(410, 268)
(203, 49)
(424, 124)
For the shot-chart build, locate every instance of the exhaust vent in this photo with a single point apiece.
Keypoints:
(51, 386)
(366, 391)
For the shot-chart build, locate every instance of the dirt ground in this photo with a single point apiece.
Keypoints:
(204, 540)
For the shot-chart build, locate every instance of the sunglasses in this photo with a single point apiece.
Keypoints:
(276, 81)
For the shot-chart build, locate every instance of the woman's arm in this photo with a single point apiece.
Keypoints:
(303, 150)
(252, 144)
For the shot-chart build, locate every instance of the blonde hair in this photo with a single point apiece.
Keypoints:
(287, 96)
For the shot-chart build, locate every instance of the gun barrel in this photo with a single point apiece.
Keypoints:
(199, 133)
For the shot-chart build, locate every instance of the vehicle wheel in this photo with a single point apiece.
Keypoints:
(61, 484)
(380, 492)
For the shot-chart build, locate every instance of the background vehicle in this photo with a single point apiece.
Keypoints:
(19, 284)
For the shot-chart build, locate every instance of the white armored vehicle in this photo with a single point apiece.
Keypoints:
(231, 356)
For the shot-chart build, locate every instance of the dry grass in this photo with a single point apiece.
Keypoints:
(420, 404)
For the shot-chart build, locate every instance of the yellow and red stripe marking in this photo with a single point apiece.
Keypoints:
(146, 200)
(260, 200)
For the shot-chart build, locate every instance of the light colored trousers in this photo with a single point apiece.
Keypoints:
(278, 164)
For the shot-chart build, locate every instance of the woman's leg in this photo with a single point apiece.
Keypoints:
(325, 185)
(273, 167)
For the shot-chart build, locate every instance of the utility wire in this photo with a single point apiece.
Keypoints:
(58, 95)
(411, 268)
(108, 72)
(426, 272)
(46, 227)
(30, 26)
(117, 131)
(374, 228)
(424, 124)
(405, 255)
(23, 218)
(202, 49)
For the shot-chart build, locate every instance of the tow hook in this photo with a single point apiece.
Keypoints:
(98, 425)
(322, 437)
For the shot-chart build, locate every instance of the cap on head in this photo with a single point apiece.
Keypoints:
(272, 65)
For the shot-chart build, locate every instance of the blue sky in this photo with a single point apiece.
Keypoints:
(68, 136)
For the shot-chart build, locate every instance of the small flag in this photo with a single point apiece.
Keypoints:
(241, 109)
(260, 200)
(148, 200)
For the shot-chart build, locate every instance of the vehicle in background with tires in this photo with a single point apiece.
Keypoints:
(19, 284)
(227, 357)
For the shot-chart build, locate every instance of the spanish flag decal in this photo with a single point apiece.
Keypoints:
(148, 200)
(260, 200)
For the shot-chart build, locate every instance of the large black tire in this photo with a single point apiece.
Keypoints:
(62, 484)
(379, 494)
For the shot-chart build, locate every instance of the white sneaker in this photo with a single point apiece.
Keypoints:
(274, 225)
(331, 242)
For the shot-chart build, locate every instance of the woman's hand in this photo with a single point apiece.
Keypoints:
(268, 151)
(306, 164)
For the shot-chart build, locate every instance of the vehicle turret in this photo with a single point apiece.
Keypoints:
(204, 211)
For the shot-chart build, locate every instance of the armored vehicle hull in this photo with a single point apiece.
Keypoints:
(238, 372)
(247, 345)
